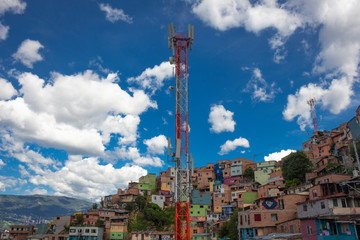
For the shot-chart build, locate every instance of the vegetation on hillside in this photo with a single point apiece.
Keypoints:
(229, 229)
(294, 167)
(249, 173)
(15, 208)
(145, 215)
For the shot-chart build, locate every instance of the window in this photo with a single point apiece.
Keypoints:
(309, 230)
(343, 203)
(274, 217)
(191, 212)
(291, 229)
(282, 229)
(201, 206)
(322, 204)
(198, 212)
(88, 230)
(335, 202)
(304, 207)
(314, 192)
(195, 231)
(257, 217)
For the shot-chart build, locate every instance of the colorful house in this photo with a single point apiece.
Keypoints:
(201, 198)
(147, 183)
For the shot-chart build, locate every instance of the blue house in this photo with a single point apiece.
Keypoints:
(218, 173)
(227, 211)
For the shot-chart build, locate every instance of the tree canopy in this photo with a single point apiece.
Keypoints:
(249, 173)
(296, 165)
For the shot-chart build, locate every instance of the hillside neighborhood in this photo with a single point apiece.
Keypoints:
(309, 194)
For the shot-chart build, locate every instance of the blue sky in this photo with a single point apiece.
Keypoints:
(84, 99)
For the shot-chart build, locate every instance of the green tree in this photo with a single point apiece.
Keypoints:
(99, 223)
(229, 229)
(249, 173)
(153, 213)
(293, 182)
(296, 165)
(95, 206)
(141, 202)
(79, 219)
(129, 207)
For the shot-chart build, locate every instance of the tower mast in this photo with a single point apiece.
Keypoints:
(311, 103)
(179, 43)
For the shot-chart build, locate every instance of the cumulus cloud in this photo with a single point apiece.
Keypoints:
(87, 178)
(261, 90)
(10, 182)
(133, 154)
(254, 17)
(37, 191)
(13, 6)
(2, 163)
(28, 52)
(3, 31)
(114, 14)
(229, 146)
(77, 113)
(277, 156)
(156, 145)
(6, 90)
(221, 120)
(334, 97)
(153, 78)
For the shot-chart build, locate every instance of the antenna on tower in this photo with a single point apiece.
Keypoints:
(179, 42)
(311, 103)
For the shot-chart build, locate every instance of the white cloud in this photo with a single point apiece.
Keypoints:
(338, 58)
(221, 120)
(3, 31)
(254, 17)
(14, 6)
(156, 145)
(125, 126)
(87, 178)
(277, 156)
(6, 89)
(114, 14)
(335, 97)
(77, 113)
(229, 146)
(132, 153)
(10, 182)
(28, 52)
(153, 78)
(2, 163)
(38, 191)
(261, 90)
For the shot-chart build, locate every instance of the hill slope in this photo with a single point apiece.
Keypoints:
(15, 208)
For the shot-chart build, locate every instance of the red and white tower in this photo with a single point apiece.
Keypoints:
(311, 103)
(179, 43)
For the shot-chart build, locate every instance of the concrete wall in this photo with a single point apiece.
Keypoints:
(158, 200)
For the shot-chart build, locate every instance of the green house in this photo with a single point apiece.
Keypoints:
(147, 182)
(198, 210)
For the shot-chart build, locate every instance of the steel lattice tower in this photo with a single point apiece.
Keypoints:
(180, 43)
(311, 102)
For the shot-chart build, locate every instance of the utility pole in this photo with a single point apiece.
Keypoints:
(179, 43)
